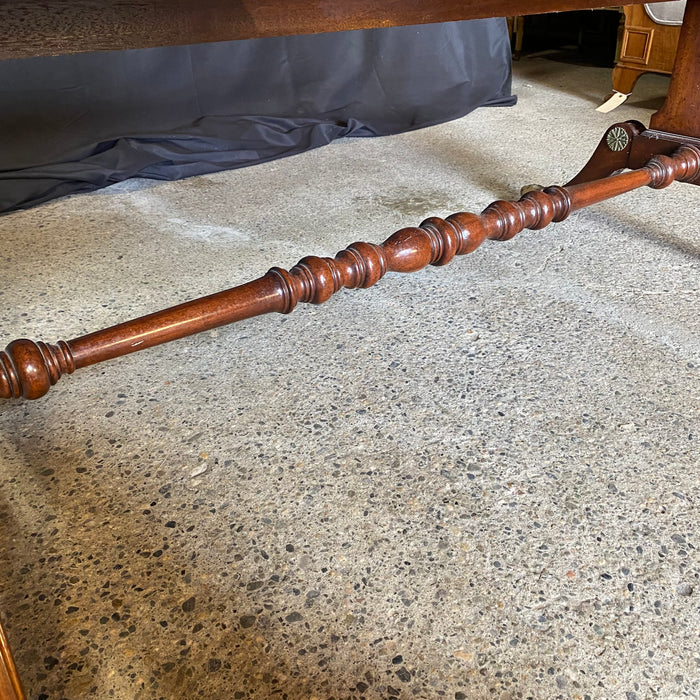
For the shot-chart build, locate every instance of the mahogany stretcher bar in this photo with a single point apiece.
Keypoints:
(668, 151)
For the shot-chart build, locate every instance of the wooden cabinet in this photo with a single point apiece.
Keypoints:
(646, 47)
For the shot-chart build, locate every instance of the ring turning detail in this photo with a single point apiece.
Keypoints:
(28, 369)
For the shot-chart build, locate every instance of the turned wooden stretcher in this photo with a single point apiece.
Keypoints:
(668, 151)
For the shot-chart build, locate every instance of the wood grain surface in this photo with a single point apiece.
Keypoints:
(52, 27)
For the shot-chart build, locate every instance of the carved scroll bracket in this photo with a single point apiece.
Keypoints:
(630, 145)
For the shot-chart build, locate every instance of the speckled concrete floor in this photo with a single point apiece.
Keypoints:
(477, 481)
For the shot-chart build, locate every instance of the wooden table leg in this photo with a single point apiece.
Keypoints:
(10, 686)
(681, 111)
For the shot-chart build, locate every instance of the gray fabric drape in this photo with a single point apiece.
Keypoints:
(77, 123)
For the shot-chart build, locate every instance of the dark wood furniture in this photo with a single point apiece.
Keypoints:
(668, 151)
(72, 26)
(30, 368)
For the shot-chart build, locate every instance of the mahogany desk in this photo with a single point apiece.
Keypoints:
(655, 157)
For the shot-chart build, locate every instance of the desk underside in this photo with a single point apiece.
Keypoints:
(73, 26)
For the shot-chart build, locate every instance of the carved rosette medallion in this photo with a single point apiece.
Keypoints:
(617, 139)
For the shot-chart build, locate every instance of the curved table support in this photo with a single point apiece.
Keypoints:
(676, 122)
(29, 369)
(629, 145)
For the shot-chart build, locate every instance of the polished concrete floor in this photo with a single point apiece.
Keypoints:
(477, 481)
